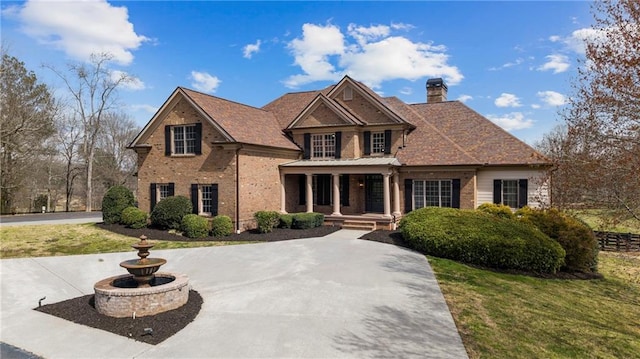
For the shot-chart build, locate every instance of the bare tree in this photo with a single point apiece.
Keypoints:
(69, 140)
(26, 122)
(93, 89)
(603, 117)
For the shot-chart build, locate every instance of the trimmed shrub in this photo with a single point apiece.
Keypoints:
(498, 210)
(114, 202)
(577, 239)
(319, 219)
(267, 220)
(286, 220)
(479, 238)
(221, 226)
(134, 217)
(194, 226)
(168, 213)
(304, 220)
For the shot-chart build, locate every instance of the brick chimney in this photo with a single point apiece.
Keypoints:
(436, 90)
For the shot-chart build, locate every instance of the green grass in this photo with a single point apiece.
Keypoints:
(70, 239)
(601, 220)
(514, 316)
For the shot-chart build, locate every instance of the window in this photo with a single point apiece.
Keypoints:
(184, 139)
(322, 190)
(437, 193)
(347, 95)
(377, 142)
(206, 199)
(164, 191)
(323, 145)
(510, 193)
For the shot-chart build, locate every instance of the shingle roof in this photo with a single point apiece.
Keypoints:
(479, 137)
(368, 161)
(288, 106)
(243, 123)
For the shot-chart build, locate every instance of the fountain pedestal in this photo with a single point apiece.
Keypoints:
(144, 291)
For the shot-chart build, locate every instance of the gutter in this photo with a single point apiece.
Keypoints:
(238, 188)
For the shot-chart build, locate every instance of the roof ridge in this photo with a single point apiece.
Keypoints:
(223, 99)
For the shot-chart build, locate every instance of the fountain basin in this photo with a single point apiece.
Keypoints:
(143, 269)
(120, 301)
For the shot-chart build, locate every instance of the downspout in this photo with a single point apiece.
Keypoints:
(238, 189)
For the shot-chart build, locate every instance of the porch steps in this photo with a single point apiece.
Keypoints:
(359, 224)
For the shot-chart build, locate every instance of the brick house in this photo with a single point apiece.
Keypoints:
(361, 159)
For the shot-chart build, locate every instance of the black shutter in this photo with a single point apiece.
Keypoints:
(194, 198)
(523, 192)
(344, 190)
(302, 190)
(338, 144)
(214, 199)
(497, 191)
(153, 196)
(167, 140)
(367, 142)
(307, 146)
(408, 195)
(172, 189)
(198, 138)
(455, 193)
(387, 142)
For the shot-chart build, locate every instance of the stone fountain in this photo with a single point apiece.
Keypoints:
(144, 291)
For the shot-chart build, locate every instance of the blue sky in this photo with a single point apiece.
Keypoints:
(510, 61)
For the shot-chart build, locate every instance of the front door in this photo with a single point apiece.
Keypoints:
(374, 198)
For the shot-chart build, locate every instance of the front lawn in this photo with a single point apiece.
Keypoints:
(514, 316)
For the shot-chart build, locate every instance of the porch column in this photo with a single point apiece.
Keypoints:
(283, 195)
(309, 193)
(396, 194)
(385, 195)
(336, 194)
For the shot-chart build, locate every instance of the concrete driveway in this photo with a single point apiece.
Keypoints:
(329, 297)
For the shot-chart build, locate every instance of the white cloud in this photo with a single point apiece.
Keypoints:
(250, 49)
(131, 83)
(511, 121)
(507, 100)
(312, 53)
(557, 63)
(80, 28)
(552, 98)
(535, 106)
(406, 90)
(370, 54)
(576, 41)
(204, 82)
(144, 107)
(517, 62)
(465, 98)
(555, 38)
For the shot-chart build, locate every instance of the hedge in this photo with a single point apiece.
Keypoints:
(576, 237)
(168, 213)
(266, 220)
(134, 217)
(307, 220)
(221, 226)
(114, 202)
(478, 238)
(194, 226)
(286, 220)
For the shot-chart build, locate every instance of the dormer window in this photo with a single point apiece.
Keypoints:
(347, 94)
(323, 145)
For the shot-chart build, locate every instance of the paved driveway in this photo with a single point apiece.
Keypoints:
(313, 298)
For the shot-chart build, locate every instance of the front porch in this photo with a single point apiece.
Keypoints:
(355, 193)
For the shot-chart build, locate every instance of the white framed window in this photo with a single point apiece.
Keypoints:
(206, 199)
(436, 193)
(377, 142)
(510, 193)
(163, 191)
(183, 139)
(323, 145)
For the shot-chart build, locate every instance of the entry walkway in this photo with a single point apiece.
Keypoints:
(327, 297)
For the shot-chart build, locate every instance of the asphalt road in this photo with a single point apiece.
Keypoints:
(51, 218)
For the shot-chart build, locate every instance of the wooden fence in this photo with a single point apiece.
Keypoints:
(620, 242)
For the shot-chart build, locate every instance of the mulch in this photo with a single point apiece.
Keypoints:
(81, 310)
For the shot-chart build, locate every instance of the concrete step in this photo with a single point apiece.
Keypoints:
(360, 225)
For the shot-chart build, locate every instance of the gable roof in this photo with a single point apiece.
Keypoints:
(237, 122)
(341, 112)
(478, 136)
(288, 106)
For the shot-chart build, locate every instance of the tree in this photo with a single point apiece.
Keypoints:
(93, 89)
(69, 137)
(603, 116)
(27, 115)
(115, 162)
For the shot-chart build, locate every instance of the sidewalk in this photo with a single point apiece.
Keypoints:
(334, 296)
